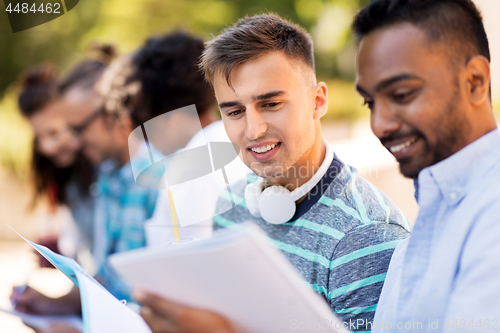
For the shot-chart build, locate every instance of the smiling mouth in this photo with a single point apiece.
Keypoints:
(400, 147)
(264, 149)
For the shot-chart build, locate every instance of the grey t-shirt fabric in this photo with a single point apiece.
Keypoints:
(341, 246)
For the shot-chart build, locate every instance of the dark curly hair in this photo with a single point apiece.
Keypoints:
(161, 76)
(170, 79)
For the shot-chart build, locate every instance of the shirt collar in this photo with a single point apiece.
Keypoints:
(321, 187)
(456, 174)
(415, 185)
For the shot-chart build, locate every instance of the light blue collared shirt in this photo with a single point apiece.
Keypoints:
(446, 275)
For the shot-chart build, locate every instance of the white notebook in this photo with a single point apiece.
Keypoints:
(238, 274)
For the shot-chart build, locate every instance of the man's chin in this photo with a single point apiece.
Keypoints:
(410, 170)
(267, 174)
(267, 171)
(407, 167)
(95, 159)
(409, 174)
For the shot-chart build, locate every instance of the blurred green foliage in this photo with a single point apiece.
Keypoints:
(15, 137)
(344, 103)
(128, 23)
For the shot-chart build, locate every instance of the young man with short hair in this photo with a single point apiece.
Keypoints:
(337, 229)
(424, 71)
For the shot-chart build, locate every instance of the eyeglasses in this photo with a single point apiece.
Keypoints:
(78, 130)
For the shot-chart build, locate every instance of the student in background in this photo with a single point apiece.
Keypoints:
(61, 173)
(175, 56)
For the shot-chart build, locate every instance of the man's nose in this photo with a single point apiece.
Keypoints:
(384, 120)
(256, 124)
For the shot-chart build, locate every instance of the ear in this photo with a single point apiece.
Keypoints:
(320, 100)
(478, 80)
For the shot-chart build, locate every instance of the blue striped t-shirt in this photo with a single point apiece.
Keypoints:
(341, 245)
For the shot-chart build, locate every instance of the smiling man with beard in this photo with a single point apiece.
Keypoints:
(424, 72)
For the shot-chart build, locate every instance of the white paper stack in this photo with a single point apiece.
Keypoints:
(237, 274)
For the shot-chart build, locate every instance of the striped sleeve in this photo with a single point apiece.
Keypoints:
(358, 269)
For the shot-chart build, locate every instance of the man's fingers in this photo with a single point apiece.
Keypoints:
(156, 322)
(163, 316)
(158, 304)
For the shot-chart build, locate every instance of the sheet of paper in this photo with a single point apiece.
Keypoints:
(45, 322)
(101, 311)
(236, 274)
(104, 313)
(66, 265)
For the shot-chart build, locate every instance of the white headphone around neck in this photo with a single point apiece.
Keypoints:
(276, 204)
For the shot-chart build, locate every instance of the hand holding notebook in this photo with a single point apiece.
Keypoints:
(237, 274)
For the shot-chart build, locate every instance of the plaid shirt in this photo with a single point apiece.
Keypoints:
(122, 207)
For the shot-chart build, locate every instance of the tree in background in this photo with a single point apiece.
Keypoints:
(128, 23)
